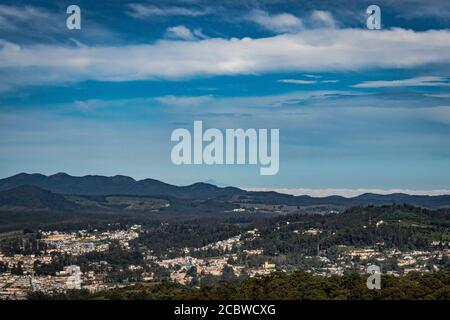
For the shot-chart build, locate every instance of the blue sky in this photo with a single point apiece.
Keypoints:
(356, 108)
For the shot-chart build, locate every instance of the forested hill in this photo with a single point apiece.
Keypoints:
(63, 183)
(94, 185)
(34, 198)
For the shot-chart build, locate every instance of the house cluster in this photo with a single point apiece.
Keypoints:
(183, 269)
(18, 286)
(81, 242)
(357, 259)
(19, 277)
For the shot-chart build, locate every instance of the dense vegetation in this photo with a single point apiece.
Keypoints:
(298, 285)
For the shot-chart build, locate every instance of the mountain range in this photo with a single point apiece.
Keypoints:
(46, 191)
(63, 183)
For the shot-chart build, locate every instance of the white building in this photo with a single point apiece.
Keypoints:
(74, 277)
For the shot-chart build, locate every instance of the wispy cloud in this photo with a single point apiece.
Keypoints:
(321, 19)
(426, 81)
(16, 17)
(314, 76)
(184, 101)
(330, 81)
(183, 33)
(438, 95)
(260, 108)
(279, 23)
(297, 81)
(180, 32)
(289, 23)
(300, 81)
(138, 10)
(34, 24)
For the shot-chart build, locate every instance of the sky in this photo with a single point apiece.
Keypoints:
(357, 109)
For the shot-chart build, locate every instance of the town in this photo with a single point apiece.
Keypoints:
(22, 274)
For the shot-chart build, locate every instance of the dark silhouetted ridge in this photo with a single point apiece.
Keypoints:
(32, 197)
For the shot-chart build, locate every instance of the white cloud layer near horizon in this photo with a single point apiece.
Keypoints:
(310, 50)
(348, 193)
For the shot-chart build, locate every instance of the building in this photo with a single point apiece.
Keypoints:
(73, 280)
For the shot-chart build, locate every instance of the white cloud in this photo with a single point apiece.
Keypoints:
(279, 23)
(426, 81)
(330, 81)
(89, 104)
(438, 95)
(139, 10)
(188, 101)
(183, 33)
(289, 23)
(314, 76)
(349, 192)
(297, 81)
(306, 51)
(13, 17)
(180, 32)
(322, 19)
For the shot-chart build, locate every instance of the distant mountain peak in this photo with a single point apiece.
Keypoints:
(26, 175)
(121, 178)
(202, 184)
(215, 183)
(60, 175)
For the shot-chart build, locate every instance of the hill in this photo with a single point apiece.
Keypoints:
(94, 185)
(33, 198)
(63, 183)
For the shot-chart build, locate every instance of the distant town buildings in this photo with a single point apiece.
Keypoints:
(194, 263)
